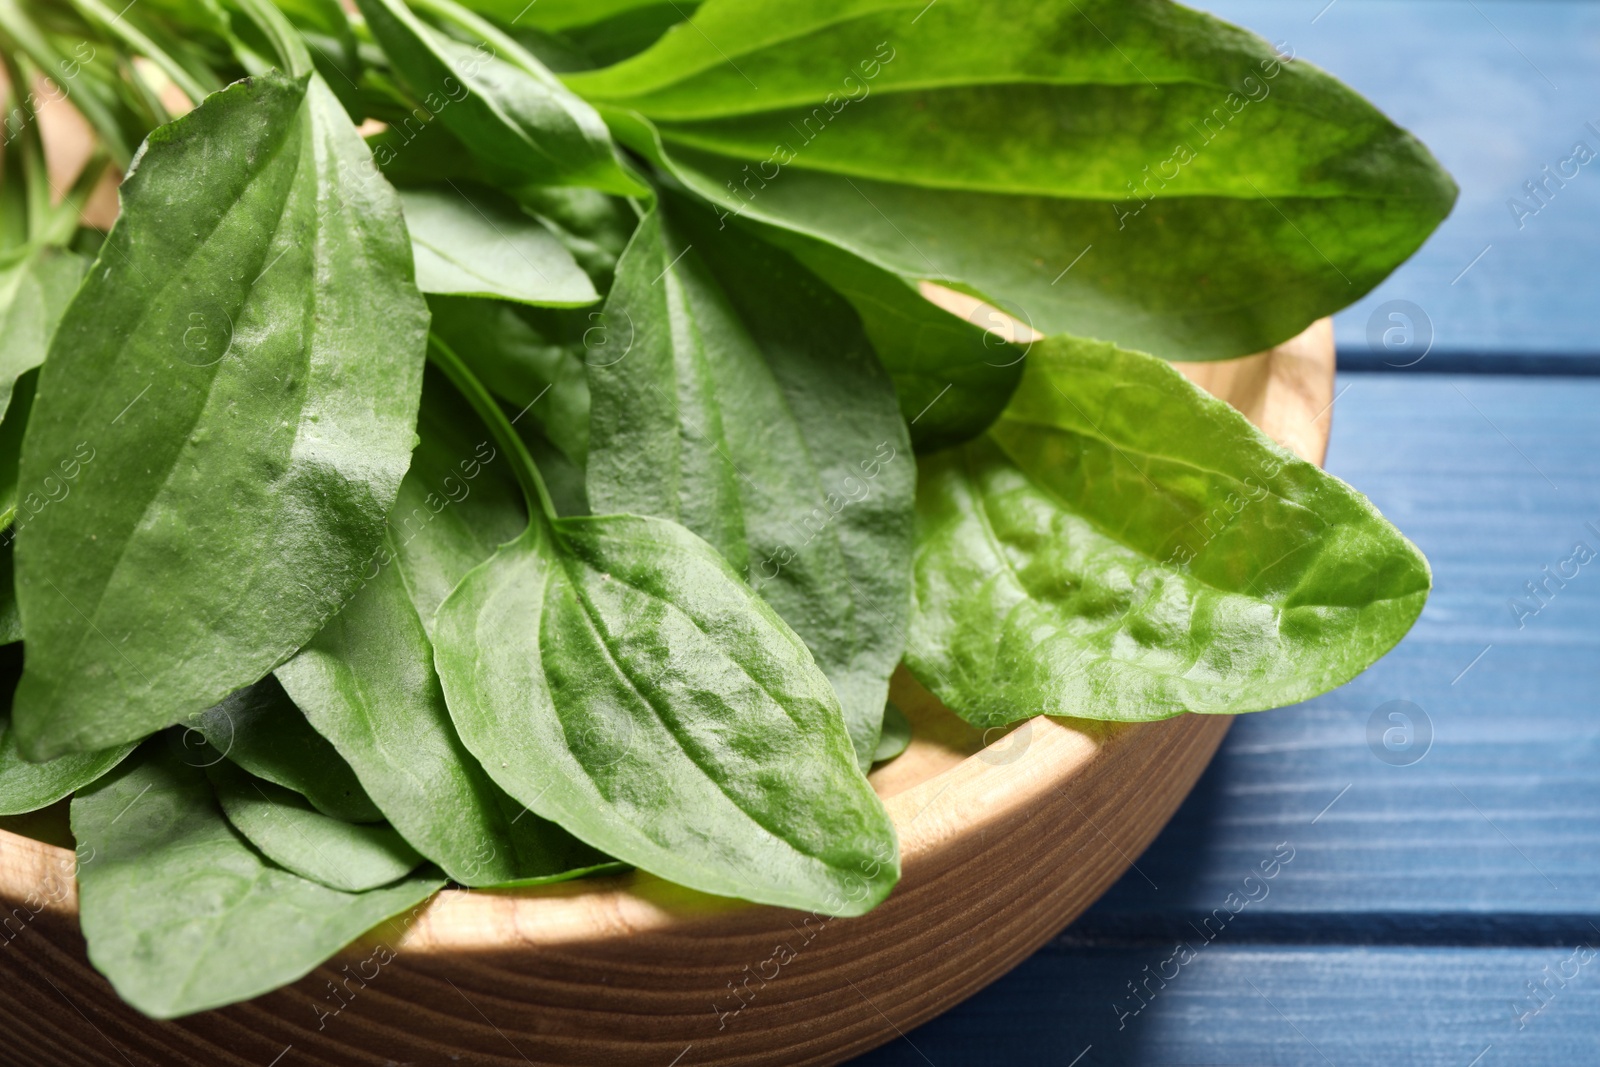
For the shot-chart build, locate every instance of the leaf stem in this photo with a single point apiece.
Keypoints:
(21, 158)
(286, 40)
(19, 34)
(130, 35)
(13, 193)
(489, 410)
(508, 47)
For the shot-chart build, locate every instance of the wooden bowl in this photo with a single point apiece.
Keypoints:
(1003, 844)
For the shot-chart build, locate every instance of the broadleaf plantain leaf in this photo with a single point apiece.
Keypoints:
(615, 675)
(740, 397)
(1122, 546)
(521, 125)
(283, 825)
(1126, 169)
(478, 243)
(244, 366)
(181, 914)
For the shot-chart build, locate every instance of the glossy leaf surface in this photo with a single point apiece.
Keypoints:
(1123, 546)
(618, 678)
(952, 375)
(478, 244)
(181, 914)
(739, 396)
(520, 123)
(245, 366)
(1132, 170)
(367, 683)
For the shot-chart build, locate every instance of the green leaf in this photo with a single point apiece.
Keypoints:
(459, 501)
(1104, 168)
(564, 14)
(738, 396)
(334, 48)
(12, 428)
(480, 244)
(245, 361)
(367, 683)
(953, 375)
(286, 829)
(182, 915)
(1123, 546)
(518, 121)
(594, 227)
(36, 285)
(261, 730)
(417, 150)
(896, 734)
(626, 34)
(28, 786)
(619, 678)
(10, 617)
(25, 786)
(532, 358)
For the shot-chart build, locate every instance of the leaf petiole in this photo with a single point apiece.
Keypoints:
(505, 435)
(286, 40)
(507, 46)
(95, 12)
(22, 38)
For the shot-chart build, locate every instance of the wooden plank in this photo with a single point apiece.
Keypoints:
(1307, 1007)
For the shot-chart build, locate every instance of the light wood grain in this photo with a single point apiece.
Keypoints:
(1003, 843)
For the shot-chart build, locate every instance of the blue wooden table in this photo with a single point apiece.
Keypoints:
(1433, 828)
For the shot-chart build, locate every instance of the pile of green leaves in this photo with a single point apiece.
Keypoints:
(547, 475)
